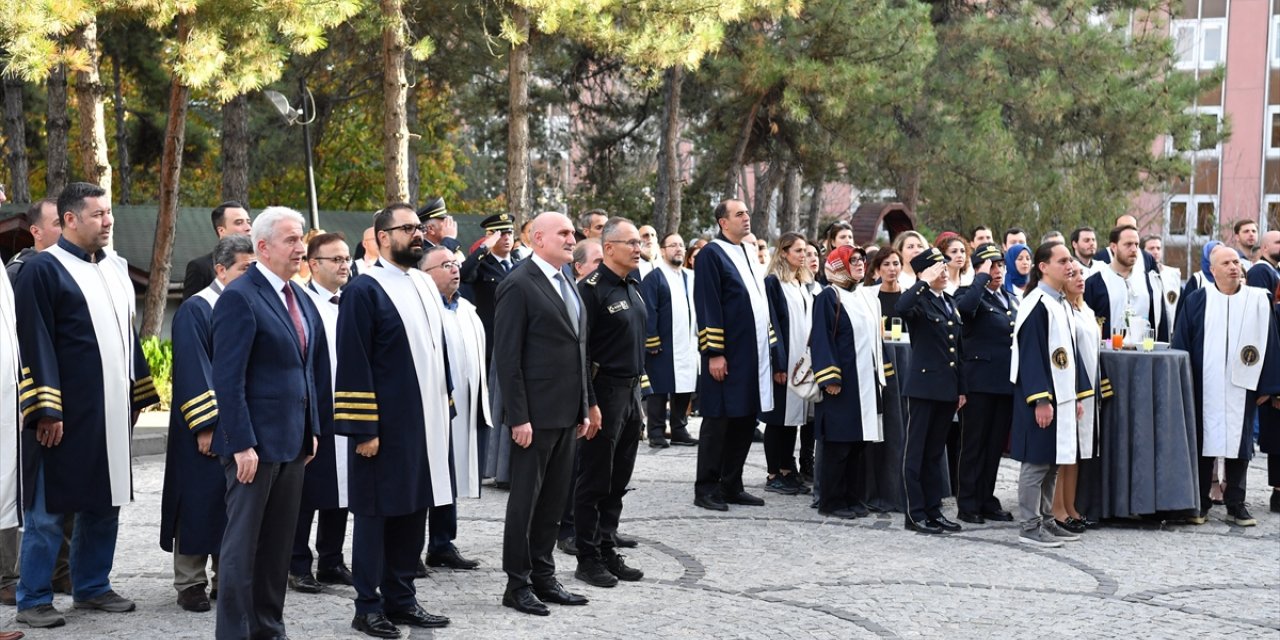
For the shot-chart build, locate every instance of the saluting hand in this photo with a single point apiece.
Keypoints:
(719, 367)
(368, 448)
(1044, 414)
(49, 432)
(246, 465)
(932, 273)
(985, 267)
(523, 434)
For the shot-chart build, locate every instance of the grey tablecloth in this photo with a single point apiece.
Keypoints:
(1147, 462)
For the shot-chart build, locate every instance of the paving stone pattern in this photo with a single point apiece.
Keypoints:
(783, 571)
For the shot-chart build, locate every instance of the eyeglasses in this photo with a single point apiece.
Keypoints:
(336, 261)
(448, 266)
(634, 244)
(856, 259)
(673, 245)
(407, 228)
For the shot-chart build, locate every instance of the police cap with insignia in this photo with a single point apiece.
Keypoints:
(497, 222)
(434, 209)
(926, 259)
(987, 251)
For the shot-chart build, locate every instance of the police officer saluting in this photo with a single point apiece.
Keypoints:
(934, 391)
(615, 349)
(989, 313)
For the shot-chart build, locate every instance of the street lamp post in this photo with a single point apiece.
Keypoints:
(305, 118)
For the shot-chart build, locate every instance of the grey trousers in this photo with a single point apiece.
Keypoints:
(11, 544)
(1035, 493)
(189, 570)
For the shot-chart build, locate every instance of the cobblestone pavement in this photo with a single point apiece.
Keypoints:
(783, 571)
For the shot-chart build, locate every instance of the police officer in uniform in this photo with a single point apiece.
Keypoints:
(486, 268)
(989, 313)
(934, 390)
(616, 318)
(441, 230)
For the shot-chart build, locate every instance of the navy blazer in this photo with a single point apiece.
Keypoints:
(266, 390)
(934, 373)
(988, 336)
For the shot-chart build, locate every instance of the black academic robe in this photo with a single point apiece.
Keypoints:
(660, 366)
(837, 418)
(1265, 276)
(191, 505)
(1098, 298)
(1029, 442)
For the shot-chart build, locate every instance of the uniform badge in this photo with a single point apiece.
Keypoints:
(1060, 358)
(1249, 355)
(620, 305)
(1172, 297)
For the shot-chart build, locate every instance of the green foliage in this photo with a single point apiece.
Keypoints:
(159, 355)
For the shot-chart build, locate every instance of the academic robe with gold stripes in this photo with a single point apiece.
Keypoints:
(82, 365)
(191, 505)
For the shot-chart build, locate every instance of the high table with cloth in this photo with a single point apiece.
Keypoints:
(1147, 462)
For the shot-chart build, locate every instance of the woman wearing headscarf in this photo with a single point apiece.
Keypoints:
(848, 365)
(1017, 266)
(1201, 277)
(791, 304)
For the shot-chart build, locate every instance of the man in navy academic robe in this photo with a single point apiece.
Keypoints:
(84, 379)
(391, 400)
(1125, 287)
(192, 511)
(1265, 274)
(735, 336)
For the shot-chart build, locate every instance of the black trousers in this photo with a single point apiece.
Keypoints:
(567, 529)
(1236, 472)
(807, 448)
(924, 470)
(331, 532)
(253, 567)
(662, 409)
(607, 461)
(724, 445)
(780, 447)
(540, 478)
(384, 561)
(985, 421)
(842, 479)
(442, 528)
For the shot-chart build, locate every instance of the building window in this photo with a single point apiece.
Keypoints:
(1200, 44)
(1271, 131)
(1207, 124)
(1275, 40)
(1272, 219)
(1188, 217)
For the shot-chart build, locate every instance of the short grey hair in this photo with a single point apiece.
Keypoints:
(611, 225)
(230, 248)
(580, 250)
(431, 250)
(264, 226)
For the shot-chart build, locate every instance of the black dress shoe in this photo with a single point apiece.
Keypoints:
(710, 502)
(999, 515)
(374, 624)
(305, 584)
(194, 599)
(683, 440)
(555, 593)
(658, 442)
(568, 545)
(421, 571)
(593, 572)
(947, 525)
(1071, 525)
(618, 567)
(845, 513)
(971, 518)
(524, 601)
(922, 527)
(746, 499)
(624, 543)
(451, 559)
(337, 575)
(418, 617)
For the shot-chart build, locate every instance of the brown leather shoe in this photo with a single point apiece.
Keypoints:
(11, 635)
(9, 596)
(193, 598)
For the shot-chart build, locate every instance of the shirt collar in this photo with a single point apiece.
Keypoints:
(545, 266)
(319, 288)
(76, 251)
(450, 303)
(274, 280)
(1050, 291)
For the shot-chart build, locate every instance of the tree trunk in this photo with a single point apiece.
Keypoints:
(411, 157)
(93, 126)
(395, 130)
(666, 205)
(815, 209)
(766, 184)
(235, 150)
(122, 137)
(518, 120)
(789, 212)
(167, 219)
(15, 134)
(58, 125)
(740, 150)
(908, 189)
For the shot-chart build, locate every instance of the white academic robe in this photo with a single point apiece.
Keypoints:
(799, 302)
(9, 415)
(1171, 279)
(685, 360)
(1230, 323)
(1088, 343)
(464, 334)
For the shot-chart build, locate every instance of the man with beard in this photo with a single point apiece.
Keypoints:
(1246, 232)
(1126, 290)
(392, 402)
(1265, 274)
(671, 343)
(1084, 244)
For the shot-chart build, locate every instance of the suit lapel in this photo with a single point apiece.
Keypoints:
(276, 305)
(541, 283)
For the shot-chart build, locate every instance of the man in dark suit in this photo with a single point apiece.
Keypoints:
(486, 268)
(269, 348)
(541, 332)
(228, 218)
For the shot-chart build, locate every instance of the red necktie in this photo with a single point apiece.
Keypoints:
(296, 316)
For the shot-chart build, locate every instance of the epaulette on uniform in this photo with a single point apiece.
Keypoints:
(593, 279)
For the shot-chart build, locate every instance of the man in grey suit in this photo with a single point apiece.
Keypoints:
(540, 329)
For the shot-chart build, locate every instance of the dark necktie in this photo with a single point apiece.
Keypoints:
(506, 266)
(296, 316)
(334, 299)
